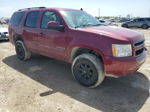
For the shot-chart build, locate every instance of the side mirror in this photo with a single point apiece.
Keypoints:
(54, 25)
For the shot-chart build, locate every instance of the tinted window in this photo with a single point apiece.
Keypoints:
(16, 19)
(32, 19)
(47, 17)
(148, 19)
(139, 20)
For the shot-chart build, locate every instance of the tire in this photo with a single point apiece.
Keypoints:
(144, 26)
(21, 51)
(125, 26)
(88, 70)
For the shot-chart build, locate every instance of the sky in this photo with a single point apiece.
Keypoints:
(136, 8)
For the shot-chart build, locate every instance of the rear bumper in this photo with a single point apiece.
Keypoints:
(123, 66)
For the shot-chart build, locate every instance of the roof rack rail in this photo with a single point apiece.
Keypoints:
(31, 8)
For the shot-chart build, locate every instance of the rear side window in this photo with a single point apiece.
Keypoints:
(148, 19)
(140, 20)
(31, 19)
(16, 19)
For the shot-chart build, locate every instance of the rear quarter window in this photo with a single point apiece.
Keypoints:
(16, 19)
(140, 20)
(148, 19)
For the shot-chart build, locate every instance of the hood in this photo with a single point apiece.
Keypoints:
(116, 33)
(3, 29)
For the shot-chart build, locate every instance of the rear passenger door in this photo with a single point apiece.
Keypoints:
(30, 31)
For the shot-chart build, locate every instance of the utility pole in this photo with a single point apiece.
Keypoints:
(99, 12)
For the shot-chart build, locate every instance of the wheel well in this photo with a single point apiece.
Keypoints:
(80, 51)
(17, 38)
(145, 24)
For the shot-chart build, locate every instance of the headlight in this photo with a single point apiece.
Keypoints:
(121, 50)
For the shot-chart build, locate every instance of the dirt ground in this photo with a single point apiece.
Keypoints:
(46, 85)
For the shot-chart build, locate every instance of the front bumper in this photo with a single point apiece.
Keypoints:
(4, 37)
(115, 66)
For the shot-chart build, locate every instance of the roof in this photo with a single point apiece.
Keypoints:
(45, 8)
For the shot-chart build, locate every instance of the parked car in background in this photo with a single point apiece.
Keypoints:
(3, 33)
(104, 22)
(76, 37)
(138, 23)
(2, 22)
(107, 23)
(125, 19)
(7, 21)
(116, 20)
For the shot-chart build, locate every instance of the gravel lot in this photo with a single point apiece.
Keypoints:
(46, 85)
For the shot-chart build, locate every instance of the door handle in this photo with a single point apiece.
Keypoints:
(41, 34)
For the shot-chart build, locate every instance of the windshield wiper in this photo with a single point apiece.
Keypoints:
(83, 25)
(88, 25)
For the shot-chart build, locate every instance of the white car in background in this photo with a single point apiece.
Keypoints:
(107, 23)
(3, 32)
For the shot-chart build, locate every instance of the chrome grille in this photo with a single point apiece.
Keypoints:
(138, 48)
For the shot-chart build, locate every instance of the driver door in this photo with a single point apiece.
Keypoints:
(51, 42)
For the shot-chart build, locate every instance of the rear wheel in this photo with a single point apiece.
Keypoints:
(144, 26)
(87, 69)
(21, 51)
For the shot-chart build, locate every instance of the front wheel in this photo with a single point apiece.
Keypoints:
(88, 70)
(125, 26)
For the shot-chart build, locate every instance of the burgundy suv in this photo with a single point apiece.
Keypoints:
(74, 36)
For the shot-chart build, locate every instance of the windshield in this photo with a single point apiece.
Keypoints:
(79, 19)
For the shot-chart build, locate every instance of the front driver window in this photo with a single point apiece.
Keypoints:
(47, 17)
